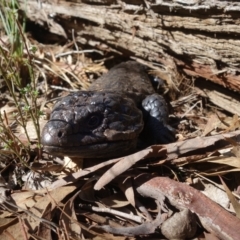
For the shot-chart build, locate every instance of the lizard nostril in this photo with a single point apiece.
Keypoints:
(60, 134)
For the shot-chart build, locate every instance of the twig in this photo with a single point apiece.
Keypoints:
(77, 52)
(30, 214)
(22, 226)
(134, 218)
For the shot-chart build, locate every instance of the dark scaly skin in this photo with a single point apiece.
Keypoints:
(106, 120)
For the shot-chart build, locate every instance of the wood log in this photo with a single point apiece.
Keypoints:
(193, 37)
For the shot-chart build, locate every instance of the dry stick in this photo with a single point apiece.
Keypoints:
(78, 52)
(213, 217)
(75, 176)
(45, 221)
(176, 149)
(134, 218)
(23, 228)
(142, 229)
(65, 230)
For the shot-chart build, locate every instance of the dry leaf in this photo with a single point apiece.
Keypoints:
(127, 162)
(211, 124)
(10, 231)
(233, 200)
(68, 219)
(127, 188)
(44, 231)
(216, 193)
(87, 192)
(234, 124)
(116, 200)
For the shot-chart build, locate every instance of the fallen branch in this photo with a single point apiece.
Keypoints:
(214, 218)
(175, 150)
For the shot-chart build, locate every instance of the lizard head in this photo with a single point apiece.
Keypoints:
(92, 124)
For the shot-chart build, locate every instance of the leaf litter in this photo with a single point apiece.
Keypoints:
(120, 198)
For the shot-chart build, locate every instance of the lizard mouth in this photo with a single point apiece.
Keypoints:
(96, 150)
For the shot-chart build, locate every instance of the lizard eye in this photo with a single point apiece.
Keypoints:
(94, 121)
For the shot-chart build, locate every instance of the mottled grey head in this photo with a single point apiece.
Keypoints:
(92, 124)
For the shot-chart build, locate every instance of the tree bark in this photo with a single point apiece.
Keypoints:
(197, 38)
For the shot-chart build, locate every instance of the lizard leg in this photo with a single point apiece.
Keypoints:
(156, 129)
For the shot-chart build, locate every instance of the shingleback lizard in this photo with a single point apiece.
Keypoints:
(107, 119)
